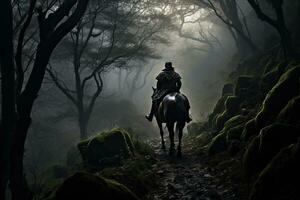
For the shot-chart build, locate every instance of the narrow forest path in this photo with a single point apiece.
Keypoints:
(187, 178)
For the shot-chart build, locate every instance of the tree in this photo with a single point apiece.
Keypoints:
(53, 26)
(8, 115)
(111, 35)
(278, 23)
(230, 17)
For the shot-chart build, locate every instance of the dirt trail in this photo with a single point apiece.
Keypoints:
(186, 178)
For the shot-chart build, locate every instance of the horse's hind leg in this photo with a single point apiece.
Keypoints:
(161, 134)
(170, 127)
(179, 128)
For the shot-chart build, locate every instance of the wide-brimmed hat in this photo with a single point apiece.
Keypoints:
(168, 66)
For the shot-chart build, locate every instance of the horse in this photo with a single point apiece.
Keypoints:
(172, 109)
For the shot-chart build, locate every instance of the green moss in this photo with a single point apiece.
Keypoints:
(88, 187)
(250, 157)
(218, 144)
(271, 139)
(231, 109)
(290, 113)
(107, 148)
(219, 108)
(279, 179)
(250, 130)
(286, 88)
(234, 121)
(234, 133)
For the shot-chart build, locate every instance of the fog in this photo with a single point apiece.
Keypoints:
(55, 125)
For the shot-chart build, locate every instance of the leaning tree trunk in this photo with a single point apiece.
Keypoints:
(52, 29)
(8, 114)
(25, 101)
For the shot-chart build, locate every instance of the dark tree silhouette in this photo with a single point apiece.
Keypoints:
(53, 27)
(108, 37)
(8, 115)
(278, 23)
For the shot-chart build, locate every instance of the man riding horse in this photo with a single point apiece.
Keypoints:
(168, 81)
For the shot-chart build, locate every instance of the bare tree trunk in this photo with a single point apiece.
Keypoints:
(18, 184)
(8, 114)
(82, 126)
(49, 38)
(230, 9)
(278, 24)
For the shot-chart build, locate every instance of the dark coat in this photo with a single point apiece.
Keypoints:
(167, 81)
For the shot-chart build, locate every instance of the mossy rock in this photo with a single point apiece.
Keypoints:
(271, 139)
(107, 148)
(219, 108)
(227, 89)
(234, 121)
(269, 80)
(232, 104)
(290, 113)
(234, 133)
(247, 89)
(279, 179)
(196, 128)
(85, 186)
(250, 130)
(286, 88)
(218, 144)
(250, 158)
(243, 84)
(231, 109)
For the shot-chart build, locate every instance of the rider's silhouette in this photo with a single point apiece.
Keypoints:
(168, 81)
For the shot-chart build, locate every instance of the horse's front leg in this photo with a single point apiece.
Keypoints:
(179, 128)
(159, 123)
(170, 127)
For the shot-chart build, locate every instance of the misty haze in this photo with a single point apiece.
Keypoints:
(139, 99)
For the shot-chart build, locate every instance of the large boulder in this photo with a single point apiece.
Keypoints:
(273, 71)
(286, 88)
(227, 89)
(243, 85)
(219, 108)
(233, 122)
(85, 186)
(232, 104)
(218, 144)
(235, 133)
(250, 130)
(290, 113)
(247, 89)
(107, 148)
(267, 144)
(279, 180)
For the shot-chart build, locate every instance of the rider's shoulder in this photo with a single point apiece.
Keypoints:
(176, 75)
(161, 75)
